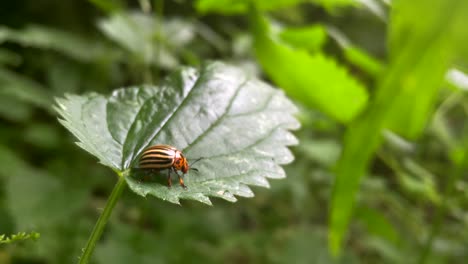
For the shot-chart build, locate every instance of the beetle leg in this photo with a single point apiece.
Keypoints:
(181, 181)
(147, 175)
(169, 180)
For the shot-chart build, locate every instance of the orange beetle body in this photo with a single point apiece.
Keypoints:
(160, 157)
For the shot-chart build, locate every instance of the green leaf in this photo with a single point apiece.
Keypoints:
(356, 55)
(361, 140)
(223, 6)
(315, 80)
(311, 38)
(229, 7)
(69, 44)
(236, 123)
(330, 5)
(147, 38)
(363, 60)
(236, 6)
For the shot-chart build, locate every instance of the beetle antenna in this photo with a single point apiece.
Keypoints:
(197, 160)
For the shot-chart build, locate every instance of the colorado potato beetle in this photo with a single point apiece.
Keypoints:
(160, 157)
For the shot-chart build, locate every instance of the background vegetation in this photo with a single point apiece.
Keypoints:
(380, 171)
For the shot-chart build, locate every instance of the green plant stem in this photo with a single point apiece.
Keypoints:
(102, 221)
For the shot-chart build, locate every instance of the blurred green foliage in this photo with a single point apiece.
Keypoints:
(397, 115)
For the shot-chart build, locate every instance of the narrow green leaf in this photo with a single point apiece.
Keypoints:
(401, 83)
(361, 140)
(315, 80)
(234, 122)
(429, 45)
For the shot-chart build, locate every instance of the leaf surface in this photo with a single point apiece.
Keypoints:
(237, 124)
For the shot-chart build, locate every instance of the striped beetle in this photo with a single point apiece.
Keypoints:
(160, 157)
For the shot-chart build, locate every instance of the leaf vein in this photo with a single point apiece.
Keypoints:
(87, 135)
(109, 129)
(247, 147)
(221, 118)
(226, 179)
(131, 129)
(172, 114)
(262, 108)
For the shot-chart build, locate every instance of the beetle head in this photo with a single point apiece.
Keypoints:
(185, 167)
(180, 162)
